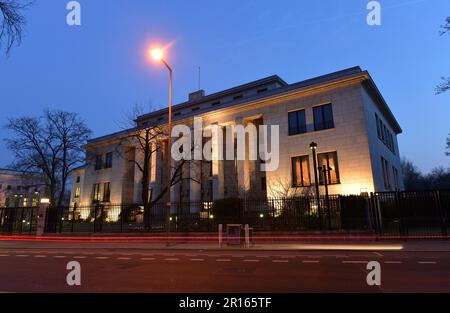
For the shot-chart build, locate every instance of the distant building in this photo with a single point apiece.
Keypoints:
(20, 189)
(343, 112)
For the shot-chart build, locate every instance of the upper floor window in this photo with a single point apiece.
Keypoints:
(297, 122)
(300, 171)
(98, 162)
(108, 160)
(384, 134)
(323, 117)
(238, 97)
(329, 161)
(262, 90)
(78, 179)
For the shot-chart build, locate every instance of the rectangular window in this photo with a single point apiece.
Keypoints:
(98, 162)
(96, 197)
(396, 178)
(377, 120)
(300, 171)
(323, 117)
(297, 122)
(77, 192)
(385, 167)
(78, 179)
(109, 160)
(106, 192)
(238, 97)
(328, 161)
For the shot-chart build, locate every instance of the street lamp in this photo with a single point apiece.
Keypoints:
(158, 55)
(313, 147)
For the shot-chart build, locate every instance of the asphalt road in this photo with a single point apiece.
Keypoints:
(36, 267)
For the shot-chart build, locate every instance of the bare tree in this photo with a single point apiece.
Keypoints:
(12, 21)
(148, 140)
(448, 146)
(51, 145)
(445, 84)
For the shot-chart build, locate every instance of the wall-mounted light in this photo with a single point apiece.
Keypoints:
(45, 201)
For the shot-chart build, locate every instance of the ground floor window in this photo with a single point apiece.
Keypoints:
(300, 171)
(328, 160)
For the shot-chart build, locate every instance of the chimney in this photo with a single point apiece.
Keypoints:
(193, 96)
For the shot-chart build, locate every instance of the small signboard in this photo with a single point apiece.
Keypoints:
(234, 234)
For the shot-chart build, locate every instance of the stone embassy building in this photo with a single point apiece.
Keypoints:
(343, 112)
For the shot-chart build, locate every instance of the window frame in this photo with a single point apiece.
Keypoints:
(294, 178)
(298, 129)
(325, 125)
(335, 169)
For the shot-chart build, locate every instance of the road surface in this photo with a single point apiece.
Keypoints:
(41, 267)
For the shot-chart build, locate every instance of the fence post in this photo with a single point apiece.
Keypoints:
(95, 217)
(42, 218)
(443, 214)
(21, 220)
(121, 218)
(31, 221)
(73, 216)
(273, 214)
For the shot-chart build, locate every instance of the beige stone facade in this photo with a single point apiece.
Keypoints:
(359, 143)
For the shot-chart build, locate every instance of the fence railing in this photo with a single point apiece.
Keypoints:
(418, 213)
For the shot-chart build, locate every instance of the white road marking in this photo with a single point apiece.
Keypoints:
(377, 253)
(80, 257)
(59, 256)
(223, 260)
(393, 262)
(40, 256)
(22, 255)
(4, 255)
(171, 259)
(427, 262)
(197, 260)
(280, 261)
(306, 261)
(251, 261)
(123, 258)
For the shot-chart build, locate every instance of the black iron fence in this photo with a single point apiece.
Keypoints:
(419, 213)
(21, 220)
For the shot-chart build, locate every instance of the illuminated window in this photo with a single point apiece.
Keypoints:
(77, 192)
(323, 117)
(300, 171)
(96, 193)
(329, 160)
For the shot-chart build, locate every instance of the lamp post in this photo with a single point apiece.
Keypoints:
(326, 170)
(313, 147)
(158, 55)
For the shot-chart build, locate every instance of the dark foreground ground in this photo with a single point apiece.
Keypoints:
(41, 267)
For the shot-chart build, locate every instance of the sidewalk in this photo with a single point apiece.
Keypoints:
(297, 245)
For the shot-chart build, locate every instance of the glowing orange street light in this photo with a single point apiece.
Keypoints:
(158, 55)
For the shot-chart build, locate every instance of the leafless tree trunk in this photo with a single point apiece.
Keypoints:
(445, 84)
(51, 145)
(12, 21)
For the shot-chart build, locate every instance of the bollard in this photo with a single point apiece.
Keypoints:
(220, 235)
(247, 236)
(42, 215)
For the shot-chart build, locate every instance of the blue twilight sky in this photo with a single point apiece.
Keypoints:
(99, 69)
